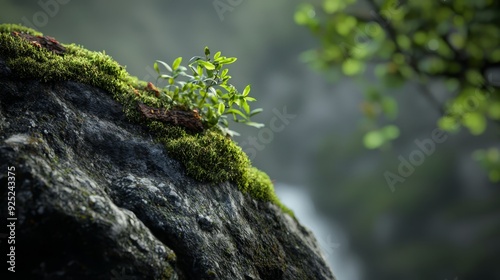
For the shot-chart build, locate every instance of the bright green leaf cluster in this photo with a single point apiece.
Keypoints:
(204, 85)
(377, 138)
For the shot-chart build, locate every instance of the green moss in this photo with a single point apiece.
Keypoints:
(7, 28)
(168, 273)
(207, 157)
(261, 187)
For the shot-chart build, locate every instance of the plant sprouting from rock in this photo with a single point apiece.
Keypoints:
(204, 86)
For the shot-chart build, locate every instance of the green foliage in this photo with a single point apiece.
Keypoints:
(209, 156)
(453, 42)
(207, 89)
(376, 138)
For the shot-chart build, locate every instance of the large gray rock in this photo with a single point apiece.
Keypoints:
(98, 198)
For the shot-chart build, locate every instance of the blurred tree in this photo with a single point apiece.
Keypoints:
(456, 43)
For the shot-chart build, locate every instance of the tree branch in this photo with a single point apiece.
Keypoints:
(391, 32)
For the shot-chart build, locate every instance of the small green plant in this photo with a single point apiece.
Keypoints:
(207, 90)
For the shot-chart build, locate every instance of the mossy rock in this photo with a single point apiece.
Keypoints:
(208, 156)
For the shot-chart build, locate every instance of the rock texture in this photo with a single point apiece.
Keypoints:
(98, 198)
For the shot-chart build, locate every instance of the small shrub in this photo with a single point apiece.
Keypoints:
(207, 89)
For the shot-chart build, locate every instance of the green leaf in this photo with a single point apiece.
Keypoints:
(221, 108)
(214, 100)
(376, 138)
(176, 63)
(246, 91)
(207, 65)
(195, 58)
(404, 42)
(352, 67)
(155, 66)
(211, 80)
(210, 113)
(227, 88)
(246, 107)
(305, 14)
(212, 91)
(373, 139)
(207, 51)
(224, 73)
(228, 60)
(255, 124)
(457, 40)
(448, 123)
(162, 63)
(231, 133)
(420, 37)
(475, 122)
(235, 112)
(216, 55)
(331, 6)
(193, 69)
(256, 111)
(347, 25)
(390, 132)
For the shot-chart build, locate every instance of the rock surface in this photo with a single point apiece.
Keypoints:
(98, 198)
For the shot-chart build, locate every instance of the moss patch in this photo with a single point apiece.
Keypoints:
(207, 157)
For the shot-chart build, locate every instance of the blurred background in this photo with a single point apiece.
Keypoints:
(389, 150)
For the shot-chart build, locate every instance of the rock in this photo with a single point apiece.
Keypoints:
(98, 198)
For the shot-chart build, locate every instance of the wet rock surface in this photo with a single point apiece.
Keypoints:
(98, 198)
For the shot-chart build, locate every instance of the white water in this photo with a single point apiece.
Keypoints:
(333, 241)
